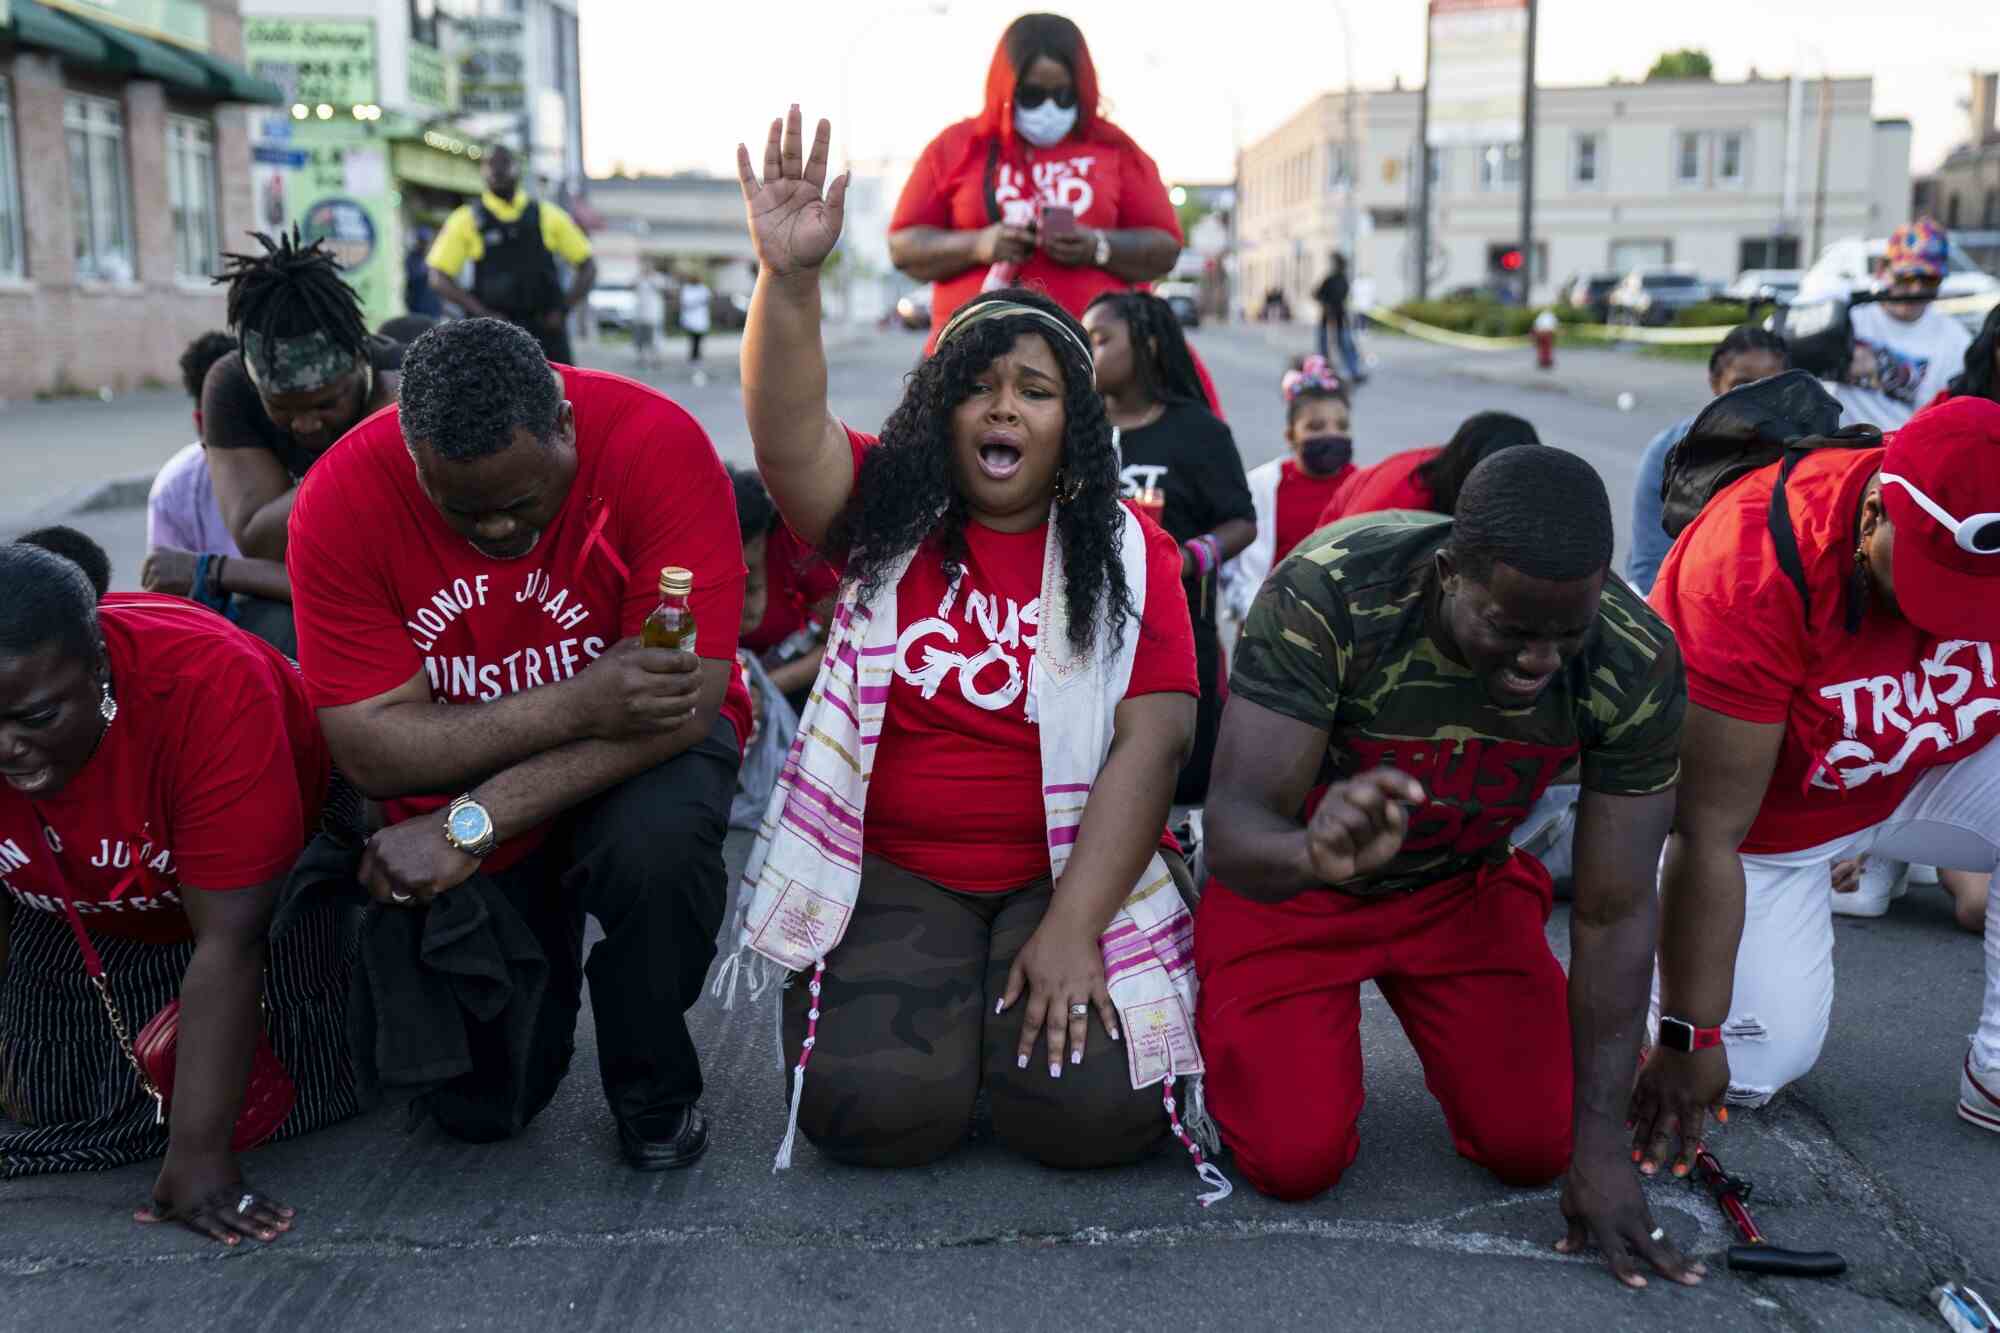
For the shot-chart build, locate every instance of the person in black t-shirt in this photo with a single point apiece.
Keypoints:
(307, 372)
(1180, 465)
(1332, 294)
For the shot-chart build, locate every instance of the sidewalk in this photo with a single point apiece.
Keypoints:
(83, 455)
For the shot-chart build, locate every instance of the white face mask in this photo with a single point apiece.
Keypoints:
(1044, 125)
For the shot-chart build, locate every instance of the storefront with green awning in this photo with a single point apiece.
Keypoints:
(128, 112)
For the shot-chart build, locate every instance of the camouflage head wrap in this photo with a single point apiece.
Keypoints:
(296, 365)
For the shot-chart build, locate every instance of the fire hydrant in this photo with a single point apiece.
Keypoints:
(1545, 326)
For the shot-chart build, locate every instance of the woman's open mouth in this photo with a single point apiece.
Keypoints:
(999, 459)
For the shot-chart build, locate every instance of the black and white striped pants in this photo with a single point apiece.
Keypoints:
(70, 1101)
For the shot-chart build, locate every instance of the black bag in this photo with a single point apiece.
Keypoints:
(1782, 418)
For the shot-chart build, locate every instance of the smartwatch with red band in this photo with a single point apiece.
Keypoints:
(1677, 1034)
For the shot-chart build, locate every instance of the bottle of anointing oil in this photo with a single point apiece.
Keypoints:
(671, 625)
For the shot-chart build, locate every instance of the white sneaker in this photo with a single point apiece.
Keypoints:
(1882, 882)
(1979, 1097)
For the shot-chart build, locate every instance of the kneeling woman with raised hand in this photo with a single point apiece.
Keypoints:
(163, 772)
(1007, 694)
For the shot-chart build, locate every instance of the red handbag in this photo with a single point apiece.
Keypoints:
(268, 1095)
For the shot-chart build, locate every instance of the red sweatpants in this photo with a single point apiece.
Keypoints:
(1467, 969)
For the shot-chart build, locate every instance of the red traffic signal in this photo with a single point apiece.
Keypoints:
(1510, 261)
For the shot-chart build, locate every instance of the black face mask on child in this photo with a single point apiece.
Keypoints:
(1324, 455)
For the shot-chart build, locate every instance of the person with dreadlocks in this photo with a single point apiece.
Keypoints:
(477, 663)
(964, 866)
(306, 373)
(162, 774)
(1179, 463)
(189, 552)
(1405, 688)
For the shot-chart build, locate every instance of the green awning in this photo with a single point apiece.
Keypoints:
(74, 39)
(233, 83)
(83, 41)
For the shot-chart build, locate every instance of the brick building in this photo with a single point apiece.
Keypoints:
(124, 170)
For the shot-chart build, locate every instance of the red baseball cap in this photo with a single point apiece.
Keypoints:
(1941, 489)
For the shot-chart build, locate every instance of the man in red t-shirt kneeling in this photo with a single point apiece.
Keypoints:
(469, 572)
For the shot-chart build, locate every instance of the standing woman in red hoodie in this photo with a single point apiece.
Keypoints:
(1038, 190)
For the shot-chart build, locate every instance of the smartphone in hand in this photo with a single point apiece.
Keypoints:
(1057, 220)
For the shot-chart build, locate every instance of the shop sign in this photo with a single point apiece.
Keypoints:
(428, 87)
(316, 62)
(491, 57)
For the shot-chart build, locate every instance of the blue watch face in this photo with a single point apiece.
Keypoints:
(469, 823)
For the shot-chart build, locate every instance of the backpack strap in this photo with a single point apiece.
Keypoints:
(1783, 536)
(989, 181)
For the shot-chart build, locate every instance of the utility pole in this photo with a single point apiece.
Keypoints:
(1528, 168)
(1349, 228)
(1420, 279)
(1819, 189)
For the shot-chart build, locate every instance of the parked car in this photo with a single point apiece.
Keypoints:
(914, 310)
(1655, 295)
(612, 307)
(1184, 298)
(1592, 292)
(1850, 265)
(1778, 285)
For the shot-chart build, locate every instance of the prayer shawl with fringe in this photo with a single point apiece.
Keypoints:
(803, 877)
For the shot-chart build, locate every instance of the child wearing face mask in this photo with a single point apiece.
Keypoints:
(1290, 492)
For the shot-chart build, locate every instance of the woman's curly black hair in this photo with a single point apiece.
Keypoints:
(908, 488)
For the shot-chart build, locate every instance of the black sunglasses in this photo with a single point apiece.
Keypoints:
(1031, 96)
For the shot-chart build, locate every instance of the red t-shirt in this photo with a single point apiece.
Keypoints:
(1109, 186)
(1389, 484)
(383, 589)
(796, 578)
(1301, 498)
(956, 791)
(211, 777)
(1865, 714)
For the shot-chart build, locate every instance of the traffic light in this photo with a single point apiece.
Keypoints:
(1510, 261)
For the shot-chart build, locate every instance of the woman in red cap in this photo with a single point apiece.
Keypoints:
(1860, 723)
(1039, 190)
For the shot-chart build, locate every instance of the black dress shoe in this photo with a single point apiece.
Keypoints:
(669, 1141)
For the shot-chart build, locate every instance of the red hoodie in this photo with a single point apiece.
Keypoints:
(980, 171)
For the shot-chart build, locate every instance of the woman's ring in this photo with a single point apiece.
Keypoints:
(1659, 1233)
(243, 1204)
(396, 897)
(1079, 1011)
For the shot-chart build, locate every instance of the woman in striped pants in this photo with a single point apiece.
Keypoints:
(163, 771)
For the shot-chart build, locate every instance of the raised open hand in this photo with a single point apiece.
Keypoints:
(794, 217)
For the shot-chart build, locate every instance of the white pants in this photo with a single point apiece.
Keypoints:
(1784, 968)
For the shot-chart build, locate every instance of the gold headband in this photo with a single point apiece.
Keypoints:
(981, 311)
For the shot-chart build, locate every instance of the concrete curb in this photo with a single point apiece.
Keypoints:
(126, 492)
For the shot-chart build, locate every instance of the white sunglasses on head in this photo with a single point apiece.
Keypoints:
(1978, 534)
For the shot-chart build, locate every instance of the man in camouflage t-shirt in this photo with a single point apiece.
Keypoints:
(1405, 688)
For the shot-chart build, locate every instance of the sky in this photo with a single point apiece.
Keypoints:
(672, 85)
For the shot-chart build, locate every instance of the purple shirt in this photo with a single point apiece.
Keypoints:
(181, 510)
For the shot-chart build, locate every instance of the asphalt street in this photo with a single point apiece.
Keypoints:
(409, 1229)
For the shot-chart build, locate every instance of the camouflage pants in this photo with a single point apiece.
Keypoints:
(907, 1034)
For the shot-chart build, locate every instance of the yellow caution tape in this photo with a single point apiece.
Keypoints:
(1473, 342)
(1633, 333)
